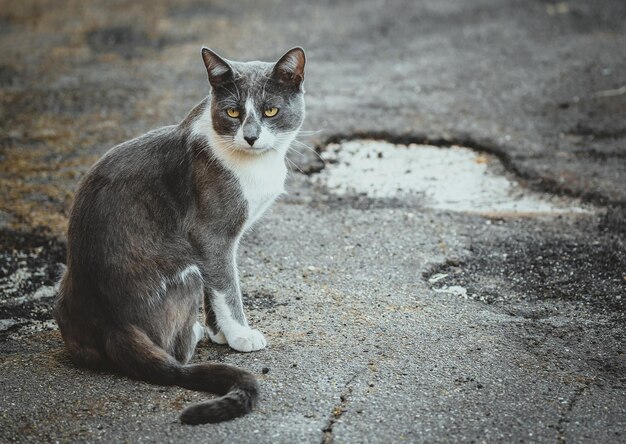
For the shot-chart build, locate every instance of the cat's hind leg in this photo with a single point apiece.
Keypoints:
(218, 338)
(186, 341)
(181, 308)
(198, 332)
(77, 330)
(213, 331)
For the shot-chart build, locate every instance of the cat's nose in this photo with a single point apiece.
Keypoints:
(251, 140)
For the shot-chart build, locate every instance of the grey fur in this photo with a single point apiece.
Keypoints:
(152, 207)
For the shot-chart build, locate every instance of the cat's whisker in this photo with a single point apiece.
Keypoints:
(267, 79)
(273, 96)
(229, 91)
(228, 102)
(291, 162)
(227, 142)
(235, 93)
(304, 145)
(298, 152)
(308, 132)
(294, 149)
(237, 89)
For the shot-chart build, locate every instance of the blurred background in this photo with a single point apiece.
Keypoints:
(539, 83)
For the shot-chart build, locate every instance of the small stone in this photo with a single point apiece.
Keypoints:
(265, 370)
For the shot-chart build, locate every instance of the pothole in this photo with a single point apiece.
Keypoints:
(453, 178)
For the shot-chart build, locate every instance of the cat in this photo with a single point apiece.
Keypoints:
(154, 229)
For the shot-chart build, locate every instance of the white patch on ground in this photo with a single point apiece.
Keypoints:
(11, 284)
(31, 327)
(454, 178)
(437, 277)
(45, 291)
(5, 324)
(455, 290)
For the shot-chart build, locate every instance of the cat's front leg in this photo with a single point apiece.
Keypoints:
(225, 315)
(231, 320)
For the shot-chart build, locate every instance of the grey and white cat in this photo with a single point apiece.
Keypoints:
(154, 229)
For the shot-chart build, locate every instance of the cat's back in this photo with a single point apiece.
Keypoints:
(138, 157)
(139, 163)
(137, 185)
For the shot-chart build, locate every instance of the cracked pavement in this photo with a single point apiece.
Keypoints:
(363, 344)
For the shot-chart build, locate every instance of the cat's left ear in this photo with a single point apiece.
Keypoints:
(290, 68)
(217, 68)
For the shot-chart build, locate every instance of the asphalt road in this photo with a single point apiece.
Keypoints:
(370, 337)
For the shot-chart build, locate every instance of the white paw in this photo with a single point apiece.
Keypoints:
(247, 340)
(218, 338)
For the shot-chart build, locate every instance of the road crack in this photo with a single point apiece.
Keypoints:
(338, 410)
(560, 426)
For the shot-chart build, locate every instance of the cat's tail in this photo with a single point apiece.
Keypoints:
(133, 352)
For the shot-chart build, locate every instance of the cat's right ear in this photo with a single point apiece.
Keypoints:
(217, 68)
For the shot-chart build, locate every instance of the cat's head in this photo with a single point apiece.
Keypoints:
(256, 106)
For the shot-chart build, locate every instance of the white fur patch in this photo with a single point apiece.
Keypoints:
(241, 338)
(291, 62)
(218, 70)
(198, 332)
(250, 106)
(218, 338)
(190, 270)
(181, 277)
(266, 138)
(261, 181)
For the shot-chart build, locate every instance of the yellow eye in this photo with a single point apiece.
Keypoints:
(270, 112)
(232, 112)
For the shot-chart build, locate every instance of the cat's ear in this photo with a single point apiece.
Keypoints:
(217, 68)
(290, 68)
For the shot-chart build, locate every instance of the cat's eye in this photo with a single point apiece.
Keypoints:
(232, 112)
(270, 112)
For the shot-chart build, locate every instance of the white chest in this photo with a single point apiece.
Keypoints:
(261, 181)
